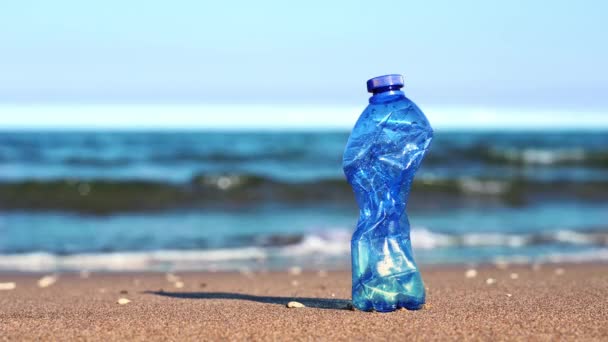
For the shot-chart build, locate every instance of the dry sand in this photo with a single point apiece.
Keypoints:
(538, 305)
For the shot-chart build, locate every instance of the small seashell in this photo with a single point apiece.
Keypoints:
(123, 301)
(490, 281)
(514, 276)
(509, 295)
(178, 284)
(47, 281)
(296, 270)
(559, 271)
(295, 283)
(295, 305)
(172, 278)
(7, 286)
(470, 273)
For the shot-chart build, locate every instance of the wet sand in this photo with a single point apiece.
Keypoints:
(554, 302)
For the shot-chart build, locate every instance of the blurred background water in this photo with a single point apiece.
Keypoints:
(208, 135)
(227, 200)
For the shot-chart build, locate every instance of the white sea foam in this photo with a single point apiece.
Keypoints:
(333, 243)
(600, 254)
(129, 261)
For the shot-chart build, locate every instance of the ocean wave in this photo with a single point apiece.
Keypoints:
(485, 154)
(130, 261)
(539, 156)
(319, 248)
(233, 190)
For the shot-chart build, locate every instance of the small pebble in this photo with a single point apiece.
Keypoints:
(559, 271)
(172, 278)
(47, 281)
(295, 305)
(178, 284)
(490, 281)
(124, 292)
(296, 270)
(123, 301)
(509, 295)
(514, 276)
(471, 273)
(7, 286)
(203, 285)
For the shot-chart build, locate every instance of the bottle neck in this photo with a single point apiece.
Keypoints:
(386, 94)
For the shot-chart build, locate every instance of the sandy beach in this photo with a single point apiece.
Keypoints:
(553, 302)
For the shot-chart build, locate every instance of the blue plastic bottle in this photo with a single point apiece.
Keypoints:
(383, 153)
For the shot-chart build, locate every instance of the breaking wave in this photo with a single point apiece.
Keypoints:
(328, 249)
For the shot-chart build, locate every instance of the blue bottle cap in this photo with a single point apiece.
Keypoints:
(394, 81)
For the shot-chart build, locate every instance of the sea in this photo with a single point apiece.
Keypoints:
(212, 200)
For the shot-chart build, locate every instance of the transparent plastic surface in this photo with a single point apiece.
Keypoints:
(383, 153)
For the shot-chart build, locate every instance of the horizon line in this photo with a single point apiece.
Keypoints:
(242, 117)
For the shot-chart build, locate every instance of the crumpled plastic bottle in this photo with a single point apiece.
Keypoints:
(383, 153)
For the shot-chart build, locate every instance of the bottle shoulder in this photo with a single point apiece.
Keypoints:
(400, 110)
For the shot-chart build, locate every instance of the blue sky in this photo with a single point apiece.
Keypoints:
(483, 54)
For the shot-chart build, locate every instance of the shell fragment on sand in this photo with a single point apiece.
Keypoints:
(559, 271)
(123, 301)
(172, 278)
(470, 273)
(294, 304)
(514, 276)
(7, 286)
(47, 281)
(490, 281)
(296, 270)
(178, 284)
